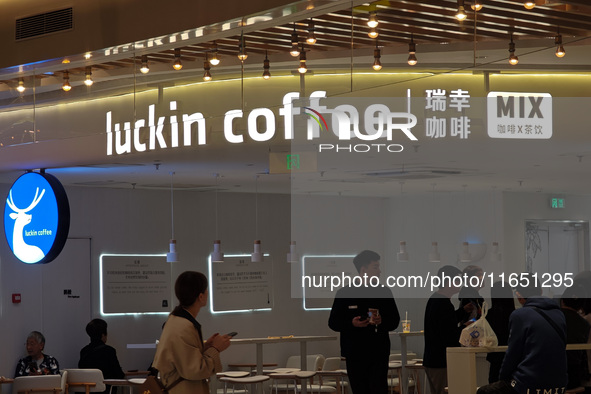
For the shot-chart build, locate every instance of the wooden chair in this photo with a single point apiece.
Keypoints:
(53, 384)
(91, 379)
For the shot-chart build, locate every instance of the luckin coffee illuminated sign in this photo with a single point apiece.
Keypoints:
(36, 218)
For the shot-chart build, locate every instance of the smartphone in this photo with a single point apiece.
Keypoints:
(232, 334)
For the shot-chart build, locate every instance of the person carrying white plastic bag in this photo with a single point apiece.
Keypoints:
(479, 333)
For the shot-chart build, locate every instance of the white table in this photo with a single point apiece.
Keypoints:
(303, 340)
(403, 356)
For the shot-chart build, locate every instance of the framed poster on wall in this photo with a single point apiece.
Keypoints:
(133, 284)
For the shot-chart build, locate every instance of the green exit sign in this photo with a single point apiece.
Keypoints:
(556, 202)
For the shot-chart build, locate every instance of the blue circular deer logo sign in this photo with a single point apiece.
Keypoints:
(36, 218)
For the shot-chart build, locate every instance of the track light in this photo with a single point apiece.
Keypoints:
(266, 67)
(242, 55)
(372, 21)
(215, 60)
(311, 40)
(295, 51)
(529, 5)
(144, 69)
(412, 50)
(303, 68)
(476, 5)
(88, 80)
(560, 52)
(66, 86)
(373, 33)
(377, 65)
(461, 13)
(513, 59)
(206, 68)
(21, 85)
(177, 65)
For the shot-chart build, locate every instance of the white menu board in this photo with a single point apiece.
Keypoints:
(238, 285)
(135, 284)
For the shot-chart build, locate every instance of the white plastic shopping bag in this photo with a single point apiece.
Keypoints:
(479, 333)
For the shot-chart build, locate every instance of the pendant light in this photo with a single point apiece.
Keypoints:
(461, 13)
(257, 254)
(476, 5)
(412, 50)
(295, 46)
(434, 256)
(560, 52)
(66, 85)
(292, 256)
(266, 68)
(172, 256)
(303, 68)
(144, 69)
(206, 70)
(372, 21)
(177, 65)
(377, 65)
(21, 85)
(88, 76)
(242, 55)
(402, 252)
(513, 59)
(215, 58)
(217, 256)
(529, 5)
(311, 40)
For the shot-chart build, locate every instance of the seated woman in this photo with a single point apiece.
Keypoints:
(36, 363)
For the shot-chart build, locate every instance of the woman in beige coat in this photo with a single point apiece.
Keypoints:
(184, 361)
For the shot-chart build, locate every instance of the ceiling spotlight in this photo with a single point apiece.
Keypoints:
(242, 55)
(311, 40)
(21, 85)
(529, 5)
(266, 67)
(66, 86)
(177, 65)
(88, 80)
(372, 21)
(215, 60)
(412, 50)
(295, 50)
(476, 5)
(206, 68)
(303, 68)
(373, 33)
(144, 69)
(560, 52)
(461, 13)
(513, 60)
(87, 55)
(377, 65)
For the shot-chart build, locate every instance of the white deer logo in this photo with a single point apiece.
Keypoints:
(24, 252)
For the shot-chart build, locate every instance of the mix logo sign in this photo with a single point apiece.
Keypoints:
(36, 218)
(519, 115)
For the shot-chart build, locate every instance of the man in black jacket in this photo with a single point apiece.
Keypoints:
(364, 315)
(535, 361)
(442, 328)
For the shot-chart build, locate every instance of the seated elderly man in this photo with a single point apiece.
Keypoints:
(36, 363)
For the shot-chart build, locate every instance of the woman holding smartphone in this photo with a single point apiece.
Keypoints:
(184, 361)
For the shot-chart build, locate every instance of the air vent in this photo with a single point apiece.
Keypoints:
(41, 24)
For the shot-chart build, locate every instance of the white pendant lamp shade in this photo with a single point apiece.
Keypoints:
(257, 255)
(402, 253)
(434, 256)
(217, 256)
(172, 256)
(292, 256)
(465, 256)
(496, 254)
